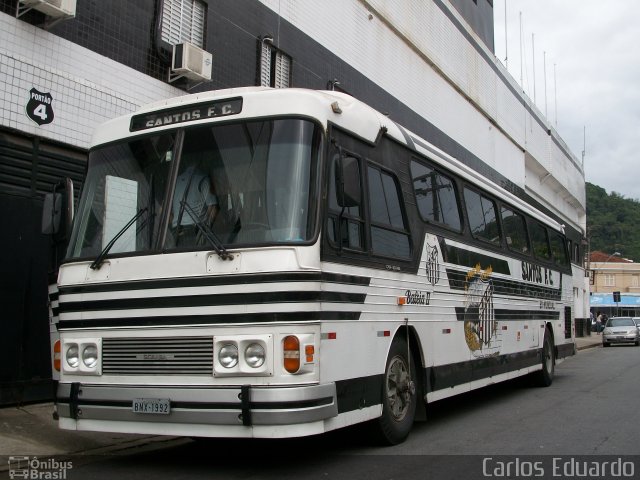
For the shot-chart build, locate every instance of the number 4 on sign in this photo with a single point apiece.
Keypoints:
(41, 111)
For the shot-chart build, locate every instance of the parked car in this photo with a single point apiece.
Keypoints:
(620, 330)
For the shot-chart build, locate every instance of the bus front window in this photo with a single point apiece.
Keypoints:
(249, 183)
(126, 182)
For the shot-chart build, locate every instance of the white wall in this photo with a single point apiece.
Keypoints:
(412, 50)
(87, 88)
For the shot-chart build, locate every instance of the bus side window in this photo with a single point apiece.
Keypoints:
(481, 212)
(540, 240)
(515, 231)
(436, 196)
(558, 249)
(389, 233)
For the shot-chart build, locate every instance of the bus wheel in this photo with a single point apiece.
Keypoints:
(544, 377)
(399, 395)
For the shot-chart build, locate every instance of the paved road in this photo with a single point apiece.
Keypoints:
(591, 409)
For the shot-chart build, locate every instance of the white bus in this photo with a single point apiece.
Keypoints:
(284, 262)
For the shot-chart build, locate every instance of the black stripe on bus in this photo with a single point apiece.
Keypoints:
(457, 281)
(451, 375)
(265, 317)
(210, 281)
(316, 402)
(218, 300)
(503, 315)
(356, 393)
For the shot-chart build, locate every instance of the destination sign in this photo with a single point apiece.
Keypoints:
(174, 116)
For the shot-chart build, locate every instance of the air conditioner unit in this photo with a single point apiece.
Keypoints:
(191, 62)
(52, 8)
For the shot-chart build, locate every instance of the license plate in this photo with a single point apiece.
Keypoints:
(161, 406)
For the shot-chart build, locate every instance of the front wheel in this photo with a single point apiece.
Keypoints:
(399, 395)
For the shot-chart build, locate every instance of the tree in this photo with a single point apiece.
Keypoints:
(613, 222)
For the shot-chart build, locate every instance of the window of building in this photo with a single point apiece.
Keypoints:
(609, 280)
(482, 216)
(515, 231)
(275, 66)
(435, 195)
(635, 280)
(183, 21)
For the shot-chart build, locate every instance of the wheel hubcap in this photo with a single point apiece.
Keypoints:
(399, 388)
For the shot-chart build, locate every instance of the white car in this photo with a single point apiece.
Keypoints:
(620, 330)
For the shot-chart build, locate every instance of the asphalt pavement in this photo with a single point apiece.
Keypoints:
(31, 430)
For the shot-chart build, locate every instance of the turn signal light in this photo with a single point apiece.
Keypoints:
(309, 350)
(56, 355)
(291, 353)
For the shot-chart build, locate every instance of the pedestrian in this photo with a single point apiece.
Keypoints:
(599, 323)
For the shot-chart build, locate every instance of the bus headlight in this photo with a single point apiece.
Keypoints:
(228, 355)
(240, 355)
(255, 355)
(72, 355)
(82, 356)
(90, 356)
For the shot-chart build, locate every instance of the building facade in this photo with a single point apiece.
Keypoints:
(611, 273)
(429, 65)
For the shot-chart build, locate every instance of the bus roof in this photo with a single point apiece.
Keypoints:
(327, 107)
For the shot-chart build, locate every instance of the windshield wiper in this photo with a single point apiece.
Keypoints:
(207, 232)
(100, 258)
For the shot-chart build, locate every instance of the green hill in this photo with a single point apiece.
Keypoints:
(613, 222)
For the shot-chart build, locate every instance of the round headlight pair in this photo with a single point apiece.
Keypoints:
(254, 355)
(89, 356)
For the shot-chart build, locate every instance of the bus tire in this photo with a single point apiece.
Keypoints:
(399, 395)
(544, 377)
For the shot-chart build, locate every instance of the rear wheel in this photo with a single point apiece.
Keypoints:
(544, 377)
(399, 395)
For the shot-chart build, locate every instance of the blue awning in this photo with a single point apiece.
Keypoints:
(606, 300)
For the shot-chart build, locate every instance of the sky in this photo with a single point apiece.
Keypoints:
(590, 50)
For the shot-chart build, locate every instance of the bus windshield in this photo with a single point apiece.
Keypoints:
(248, 183)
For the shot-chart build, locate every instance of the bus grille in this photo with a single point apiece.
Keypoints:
(158, 356)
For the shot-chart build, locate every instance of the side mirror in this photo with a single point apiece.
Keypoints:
(348, 182)
(57, 211)
(51, 213)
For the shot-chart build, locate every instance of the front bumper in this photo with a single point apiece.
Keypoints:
(230, 406)
(619, 338)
